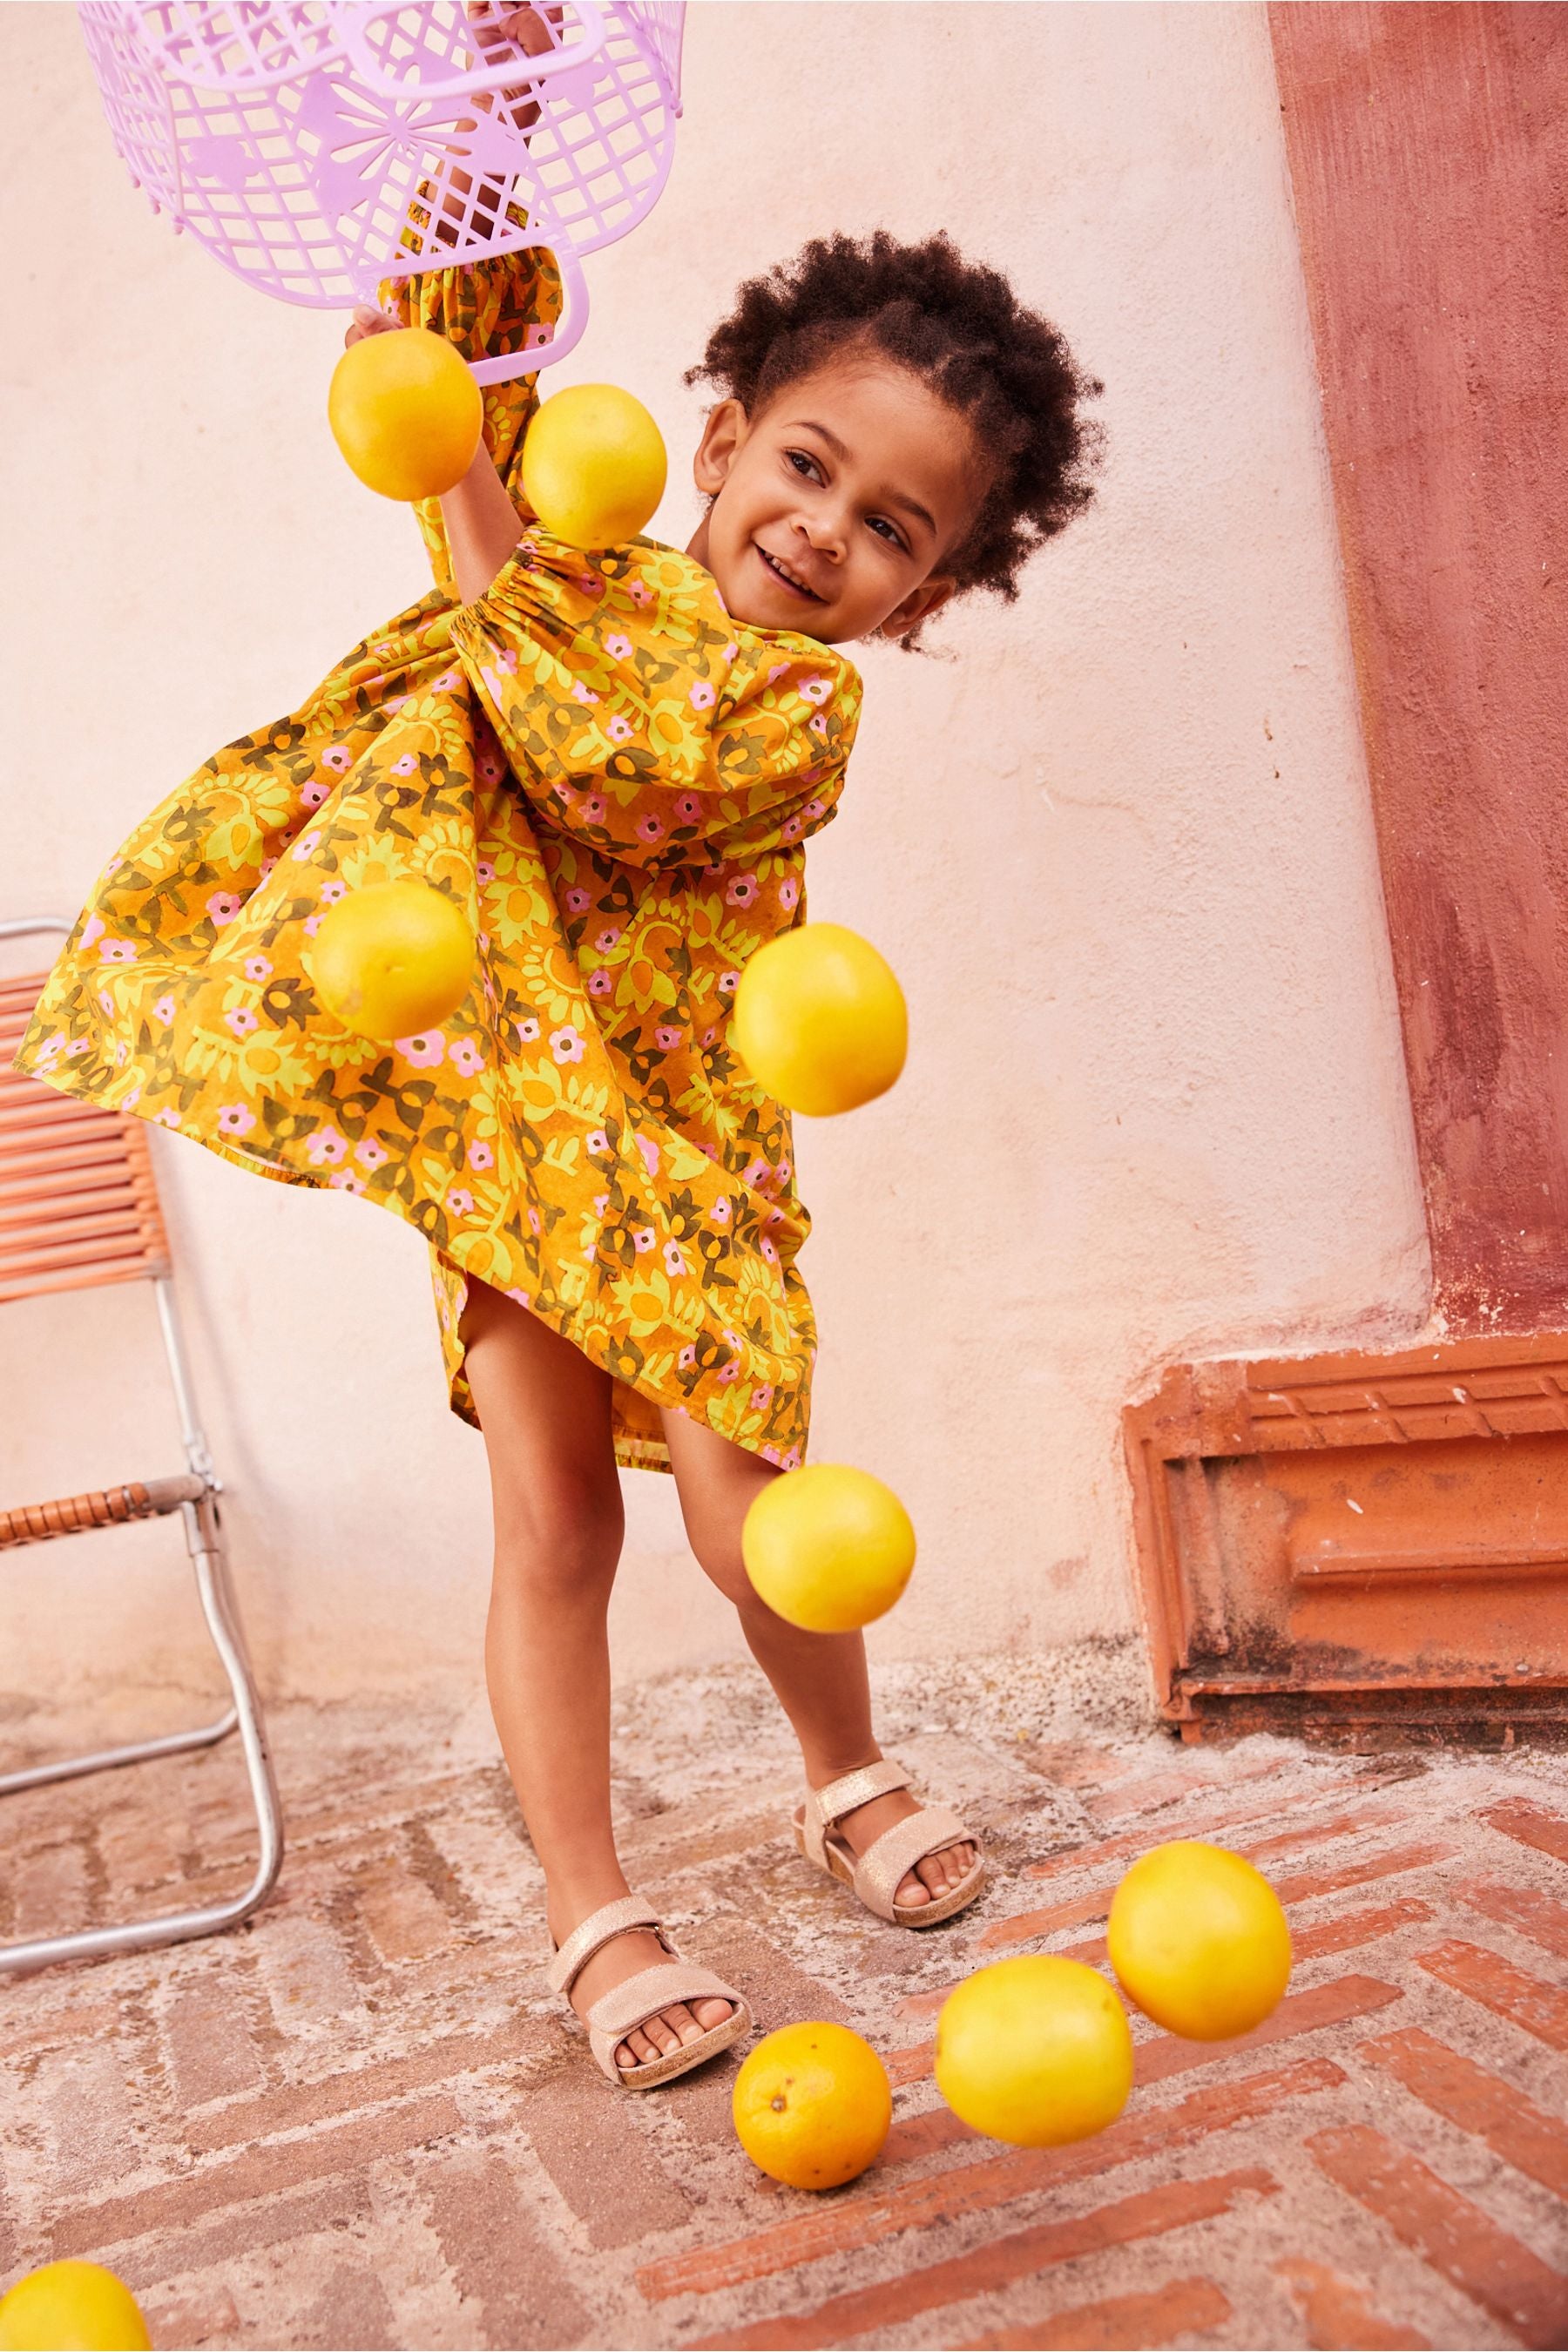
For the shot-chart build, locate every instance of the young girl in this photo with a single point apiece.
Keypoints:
(612, 763)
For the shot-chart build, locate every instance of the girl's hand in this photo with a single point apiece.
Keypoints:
(368, 320)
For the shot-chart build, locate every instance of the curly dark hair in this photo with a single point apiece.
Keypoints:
(958, 327)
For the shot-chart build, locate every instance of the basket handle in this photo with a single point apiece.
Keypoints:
(349, 18)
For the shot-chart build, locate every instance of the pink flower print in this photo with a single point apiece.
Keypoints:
(534, 1226)
(301, 852)
(395, 702)
(771, 1453)
(601, 1202)
(520, 1297)
(481, 1155)
(687, 1358)
(446, 682)
(781, 1177)
(760, 1398)
(132, 1099)
(105, 999)
(719, 1213)
(597, 1142)
(817, 724)
(576, 902)
(731, 651)
(649, 829)
(789, 892)
(728, 982)
(742, 889)
(673, 1261)
(345, 1181)
(242, 1020)
(459, 1202)
(527, 1031)
(223, 905)
(642, 1239)
(121, 950)
(78, 1045)
(755, 1173)
(265, 868)
(649, 1150)
(607, 940)
(233, 1120)
(371, 1154)
(171, 1119)
(727, 1374)
(816, 689)
(165, 1008)
(667, 1039)
(599, 983)
(790, 829)
(313, 792)
(258, 967)
(792, 1459)
(313, 923)
(587, 583)
(387, 651)
(779, 669)
(466, 1058)
(338, 758)
(769, 1252)
(594, 808)
(703, 695)
(425, 1050)
(326, 1147)
(639, 591)
(491, 771)
(567, 1044)
(484, 869)
(774, 1217)
(618, 730)
(581, 693)
(405, 766)
(710, 1036)
(619, 648)
(688, 808)
(91, 932)
(333, 890)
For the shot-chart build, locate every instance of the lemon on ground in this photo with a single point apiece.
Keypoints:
(393, 959)
(71, 2307)
(406, 413)
(820, 1020)
(1198, 1940)
(593, 466)
(812, 2105)
(828, 1548)
(1035, 2051)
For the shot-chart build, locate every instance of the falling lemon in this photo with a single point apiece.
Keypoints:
(828, 1548)
(812, 2105)
(71, 2307)
(1035, 2051)
(1198, 1940)
(406, 413)
(393, 959)
(820, 1020)
(593, 466)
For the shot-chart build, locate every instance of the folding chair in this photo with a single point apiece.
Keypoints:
(78, 1207)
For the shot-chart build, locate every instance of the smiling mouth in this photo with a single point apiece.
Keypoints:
(782, 571)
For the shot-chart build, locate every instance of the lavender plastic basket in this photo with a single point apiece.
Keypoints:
(318, 146)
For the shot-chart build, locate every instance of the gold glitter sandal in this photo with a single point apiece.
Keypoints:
(875, 1874)
(627, 2006)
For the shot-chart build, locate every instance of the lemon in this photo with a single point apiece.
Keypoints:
(593, 466)
(71, 2307)
(393, 959)
(1035, 2051)
(828, 1548)
(1198, 1940)
(820, 1020)
(405, 411)
(812, 2105)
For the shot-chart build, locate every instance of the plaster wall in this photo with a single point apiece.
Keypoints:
(1116, 840)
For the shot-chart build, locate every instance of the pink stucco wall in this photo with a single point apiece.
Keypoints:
(1116, 840)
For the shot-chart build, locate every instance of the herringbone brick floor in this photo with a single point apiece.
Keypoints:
(363, 2122)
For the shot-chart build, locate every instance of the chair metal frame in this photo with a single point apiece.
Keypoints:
(195, 1497)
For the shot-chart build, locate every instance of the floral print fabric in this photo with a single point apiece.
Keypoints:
(616, 782)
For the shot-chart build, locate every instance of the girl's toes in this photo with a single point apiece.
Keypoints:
(709, 2013)
(912, 1889)
(681, 2023)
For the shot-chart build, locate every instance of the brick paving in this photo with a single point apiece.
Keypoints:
(362, 2120)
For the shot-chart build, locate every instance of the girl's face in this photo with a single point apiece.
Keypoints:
(836, 506)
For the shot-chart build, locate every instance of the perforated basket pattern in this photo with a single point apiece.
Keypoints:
(317, 146)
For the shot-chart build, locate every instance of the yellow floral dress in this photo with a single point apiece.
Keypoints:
(615, 781)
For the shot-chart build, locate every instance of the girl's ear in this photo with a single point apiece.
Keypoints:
(917, 606)
(723, 438)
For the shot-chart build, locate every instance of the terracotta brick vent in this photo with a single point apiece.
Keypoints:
(361, 2121)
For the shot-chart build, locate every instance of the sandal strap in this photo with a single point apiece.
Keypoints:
(897, 1851)
(853, 1789)
(602, 1928)
(627, 2006)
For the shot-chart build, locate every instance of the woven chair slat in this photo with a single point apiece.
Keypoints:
(18, 1243)
(77, 1152)
(57, 1256)
(140, 1269)
(141, 1499)
(112, 1181)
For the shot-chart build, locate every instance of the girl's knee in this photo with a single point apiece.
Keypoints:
(562, 1533)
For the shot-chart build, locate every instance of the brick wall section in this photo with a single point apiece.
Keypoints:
(364, 2122)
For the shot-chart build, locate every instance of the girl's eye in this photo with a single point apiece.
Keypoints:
(884, 528)
(804, 463)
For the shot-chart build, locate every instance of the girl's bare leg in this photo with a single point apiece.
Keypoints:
(545, 1412)
(820, 1678)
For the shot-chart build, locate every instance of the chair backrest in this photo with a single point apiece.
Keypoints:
(79, 1204)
